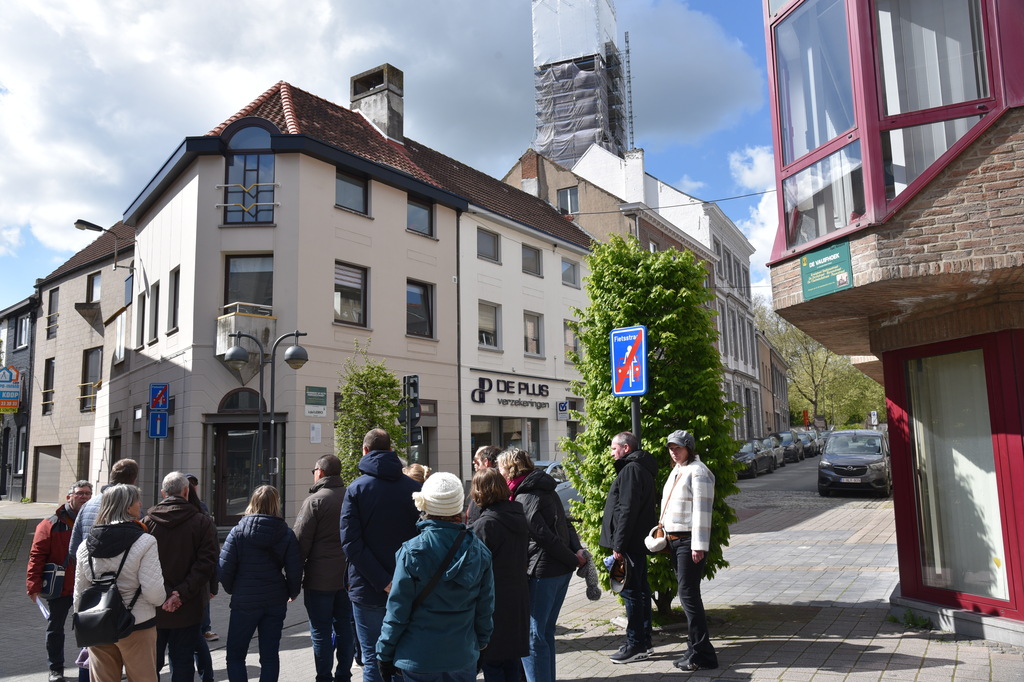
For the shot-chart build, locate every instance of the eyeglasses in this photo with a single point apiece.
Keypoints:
(82, 493)
(313, 471)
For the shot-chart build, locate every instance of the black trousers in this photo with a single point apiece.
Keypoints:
(689, 575)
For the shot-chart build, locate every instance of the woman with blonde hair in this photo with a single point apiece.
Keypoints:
(554, 553)
(255, 553)
(118, 535)
(417, 472)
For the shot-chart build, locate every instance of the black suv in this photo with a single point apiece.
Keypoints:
(792, 448)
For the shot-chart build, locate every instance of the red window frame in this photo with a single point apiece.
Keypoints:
(1004, 360)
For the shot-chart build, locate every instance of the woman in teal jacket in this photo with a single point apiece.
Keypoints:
(441, 638)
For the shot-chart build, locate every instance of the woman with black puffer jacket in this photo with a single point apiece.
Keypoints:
(261, 568)
(554, 553)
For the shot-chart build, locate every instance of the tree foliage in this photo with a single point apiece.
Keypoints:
(370, 396)
(820, 381)
(665, 292)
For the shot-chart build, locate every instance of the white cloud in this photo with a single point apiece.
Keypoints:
(690, 185)
(10, 240)
(753, 168)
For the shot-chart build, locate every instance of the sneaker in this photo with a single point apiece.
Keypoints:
(211, 636)
(55, 676)
(688, 666)
(629, 654)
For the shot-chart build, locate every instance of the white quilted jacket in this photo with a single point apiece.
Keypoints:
(141, 568)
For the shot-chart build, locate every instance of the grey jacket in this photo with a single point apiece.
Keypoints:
(318, 529)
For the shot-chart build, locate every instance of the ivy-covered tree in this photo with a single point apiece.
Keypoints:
(665, 292)
(370, 396)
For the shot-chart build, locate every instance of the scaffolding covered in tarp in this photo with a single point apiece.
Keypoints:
(577, 79)
(579, 103)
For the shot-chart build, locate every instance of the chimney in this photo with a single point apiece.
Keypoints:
(378, 94)
(634, 190)
(529, 181)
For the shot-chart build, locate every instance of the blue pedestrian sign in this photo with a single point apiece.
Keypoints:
(158, 424)
(629, 360)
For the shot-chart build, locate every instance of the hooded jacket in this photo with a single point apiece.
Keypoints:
(502, 527)
(187, 541)
(106, 544)
(50, 546)
(255, 552)
(377, 517)
(553, 540)
(447, 630)
(318, 530)
(629, 511)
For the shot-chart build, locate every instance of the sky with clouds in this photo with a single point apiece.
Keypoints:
(96, 94)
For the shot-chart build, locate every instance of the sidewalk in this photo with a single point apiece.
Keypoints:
(806, 598)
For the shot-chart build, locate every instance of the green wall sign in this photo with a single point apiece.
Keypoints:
(826, 270)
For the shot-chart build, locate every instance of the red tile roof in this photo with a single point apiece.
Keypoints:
(298, 112)
(100, 250)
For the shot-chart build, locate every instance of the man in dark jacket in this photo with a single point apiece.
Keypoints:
(187, 542)
(629, 514)
(318, 529)
(50, 546)
(377, 517)
(123, 471)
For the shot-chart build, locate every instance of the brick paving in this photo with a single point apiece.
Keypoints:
(804, 599)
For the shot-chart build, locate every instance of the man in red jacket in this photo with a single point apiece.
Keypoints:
(50, 546)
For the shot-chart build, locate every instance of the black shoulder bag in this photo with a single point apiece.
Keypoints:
(102, 617)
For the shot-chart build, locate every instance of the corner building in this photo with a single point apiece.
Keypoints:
(899, 152)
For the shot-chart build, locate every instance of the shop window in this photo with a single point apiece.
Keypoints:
(961, 539)
(351, 192)
(350, 294)
(488, 245)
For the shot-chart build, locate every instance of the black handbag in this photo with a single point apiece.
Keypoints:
(102, 617)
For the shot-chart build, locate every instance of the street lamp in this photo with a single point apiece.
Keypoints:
(93, 227)
(295, 356)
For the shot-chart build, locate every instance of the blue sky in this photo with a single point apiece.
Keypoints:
(94, 96)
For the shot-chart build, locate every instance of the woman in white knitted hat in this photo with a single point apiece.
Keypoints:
(440, 608)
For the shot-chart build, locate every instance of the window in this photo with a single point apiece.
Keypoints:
(746, 282)
(92, 288)
(250, 279)
(174, 300)
(120, 336)
(569, 200)
(22, 450)
(140, 321)
(349, 294)
(351, 192)
(154, 314)
(49, 376)
(723, 329)
(532, 261)
(24, 331)
(421, 217)
(488, 245)
(419, 313)
(249, 187)
(52, 313)
(571, 341)
(533, 333)
(570, 273)
(487, 328)
(91, 366)
(825, 196)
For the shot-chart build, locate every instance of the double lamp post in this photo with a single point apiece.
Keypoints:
(237, 357)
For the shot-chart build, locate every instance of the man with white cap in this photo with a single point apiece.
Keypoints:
(441, 604)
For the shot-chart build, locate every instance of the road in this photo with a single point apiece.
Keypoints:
(801, 476)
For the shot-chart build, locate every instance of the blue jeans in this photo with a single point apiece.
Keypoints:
(330, 613)
(59, 609)
(546, 597)
(204, 662)
(180, 644)
(689, 574)
(636, 594)
(241, 626)
(369, 621)
(465, 675)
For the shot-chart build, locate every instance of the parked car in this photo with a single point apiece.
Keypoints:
(754, 459)
(856, 460)
(809, 442)
(563, 487)
(792, 448)
(774, 445)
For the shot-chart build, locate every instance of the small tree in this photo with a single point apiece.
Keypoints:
(665, 292)
(370, 396)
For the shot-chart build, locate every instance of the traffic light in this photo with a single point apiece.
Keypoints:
(410, 411)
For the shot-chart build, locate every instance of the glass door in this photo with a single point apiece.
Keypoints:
(236, 470)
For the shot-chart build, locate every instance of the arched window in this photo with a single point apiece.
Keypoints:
(240, 400)
(249, 185)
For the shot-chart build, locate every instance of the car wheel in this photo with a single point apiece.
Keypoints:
(801, 456)
(824, 492)
(783, 463)
(771, 466)
(886, 491)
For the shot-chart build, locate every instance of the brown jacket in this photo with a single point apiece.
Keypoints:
(318, 529)
(187, 542)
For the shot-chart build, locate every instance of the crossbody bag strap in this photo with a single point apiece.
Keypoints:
(437, 574)
(669, 498)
